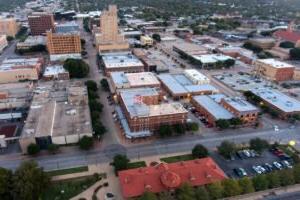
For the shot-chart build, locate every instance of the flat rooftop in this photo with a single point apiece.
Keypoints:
(278, 99)
(190, 48)
(54, 70)
(17, 64)
(196, 75)
(215, 109)
(240, 104)
(68, 27)
(121, 61)
(275, 63)
(134, 79)
(58, 109)
(211, 58)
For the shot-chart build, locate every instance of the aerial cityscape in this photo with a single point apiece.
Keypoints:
(149, 100)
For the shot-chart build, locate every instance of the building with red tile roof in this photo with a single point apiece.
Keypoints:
(288, 35)
(163, 177)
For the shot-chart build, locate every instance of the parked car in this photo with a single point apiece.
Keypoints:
(240, 172)
(268, 167)
(247, 153)
(277, 165)
(258, 169)
(240, 154)
(286, 164)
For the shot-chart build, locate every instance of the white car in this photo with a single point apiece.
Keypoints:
(277, 165)
(257, 169)
(276, 128)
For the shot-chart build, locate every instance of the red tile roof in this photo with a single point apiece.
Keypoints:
(290, 36)
(134, 182)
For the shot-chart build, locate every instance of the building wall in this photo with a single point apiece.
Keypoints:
(9, 27)
(3, 42)
(63, 43)
(296, 74)
(129, 69)
(41, 23)
(207, 115)
(19, 75)
(146, 41)
(275, 74)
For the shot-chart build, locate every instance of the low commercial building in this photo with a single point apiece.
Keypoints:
(15, 70)
(31, 42)
(196, 77)
(56, 72)
(146, 41)
(241, 109)
(179, 86)
(274, 70)
(264, 42)
(121, 80)
(144, 112)
(59, 114)
(210, 109)
(239, 53)
(9, 27)
(165, 177)
(124, 62)
(3, 43)
(284, 105)
(211, 60)
(188, 50)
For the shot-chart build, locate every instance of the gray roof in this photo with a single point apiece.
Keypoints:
(217, 97)
(119, 78)
(278, 99)
(216, 110)
(172, 83)
(67, 27)
(240, 104)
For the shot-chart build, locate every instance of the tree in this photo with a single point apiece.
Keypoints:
(235, 122)
(86, 142)
(295, 53)
(95, 105)
(156, 37)
(9, 38)
(199, 151)
(229, 63)
(104, 85)
(120, 162)
(53, 148)
(185, 192)
(30, 181)
(260, 182)
(76, 67)
(91, 85)
(287, 45)
(165, 196)
(273, 180)
(258, 144)
(201, 193)
(192, 126)
(246, 185)
(215, 190)
(99, 129)
(231, 187)
(226, 149)
(178, 129)
(222, 124)
(6, 184)
(33, 149)
(165, 131)
(286, 177)
(297, 173)
(148, 196)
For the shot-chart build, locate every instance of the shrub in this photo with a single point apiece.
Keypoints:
(86, 142)
(33, 149)
(199, 151)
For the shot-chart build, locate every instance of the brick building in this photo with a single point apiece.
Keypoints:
(40, 23)
(9, 26)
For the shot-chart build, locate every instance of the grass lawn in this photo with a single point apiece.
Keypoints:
(138, 164)
(67, 189)
(68, 171)
(177, 158)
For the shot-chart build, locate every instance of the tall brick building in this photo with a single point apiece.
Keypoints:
(8, 26)
(40, 23)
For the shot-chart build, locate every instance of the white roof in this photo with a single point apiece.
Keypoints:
(134, 79)
(121, 60)
(240, 104)
(211, 58)
(275, 63)
(195, 75)
(54, 70)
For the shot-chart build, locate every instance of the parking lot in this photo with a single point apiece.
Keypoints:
(247, 163)
(244, 81)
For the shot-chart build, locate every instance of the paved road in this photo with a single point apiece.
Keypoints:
(161, 147)
(285, 196)
(9, 51)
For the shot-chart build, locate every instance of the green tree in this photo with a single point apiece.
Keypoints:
(229, 63)
(222, 124)
(286, 177)
(226, 149)
(148, 196)
(104, 84)
(201, 193)
(165, 131)
(287, 45)
(273, 180)
(215, 190)
(76, 67)
(259, 144)
(246, 185)
(33, 149)
(86, 143)
(185, 192)
(99, 129)
(120, 162)
(260, 182)
(178, 129)
(91, 85)
(297, 173)
(235, 122)
(9, 38)
(199, 151)
(192, 126)
(30, 181)
(165, 196)
(53, 148)
(6, 185)
(295, 53)
(95, 105)
(156, 37)
(231, 187)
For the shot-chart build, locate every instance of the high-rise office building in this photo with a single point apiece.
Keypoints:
(40, 23)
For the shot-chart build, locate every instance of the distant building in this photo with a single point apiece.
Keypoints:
(109, 38)
(264, 43)
(31, 41)
(3, 42)
(288, 35)
(56, 72)
(146, 41)
(165, 177)
(62, 45)
(15, 70)
(239, 53)
(210, 60)
(125, 62)
(281, 103)
(8, 26)
(59, 114)
(40, 23)
(196, 77)
(274, 70)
